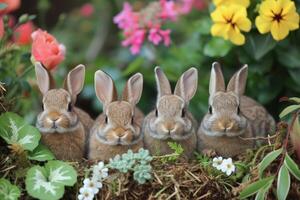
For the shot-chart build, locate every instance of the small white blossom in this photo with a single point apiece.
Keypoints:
(93, 184)
(85, 194)
(227, 166)
(100, 171)
(217, 163)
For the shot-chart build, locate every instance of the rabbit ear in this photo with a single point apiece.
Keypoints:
(44, 78)
(105, 88)
(238, 81)
(133, 89)
(162, 82)
(75, 81)
(186, 86)
(216, 82)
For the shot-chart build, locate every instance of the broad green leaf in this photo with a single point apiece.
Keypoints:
(292, 167)
(255, 187)
(295, 135)
(295, 99)
(14, 130)
(8, 191)
(61, 173)
(217, 47)
(259, 45)
(288, 110)
(268, 159)
(41, 153)
(262, 192)
(289, 57)
(49, 182)
(283, 183)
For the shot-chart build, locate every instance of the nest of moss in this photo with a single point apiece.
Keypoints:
(176, 179)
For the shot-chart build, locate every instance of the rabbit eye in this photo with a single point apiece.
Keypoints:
(132, 118)
(156, 113)
(183, 113)
(106, 119)
(210, 109)
(69, 107)
(238, 110)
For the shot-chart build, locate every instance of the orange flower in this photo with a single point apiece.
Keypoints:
(1, 28)
(12, 5)
(22, 34)
(46, 49)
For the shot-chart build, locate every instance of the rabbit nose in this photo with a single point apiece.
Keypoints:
(120, 132)
(169, 126)
(53, 117)
(226, 125)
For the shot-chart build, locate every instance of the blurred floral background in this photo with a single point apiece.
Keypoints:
(125, 37)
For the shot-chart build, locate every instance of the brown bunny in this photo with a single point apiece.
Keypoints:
(171, 121)
(118, 128)
(232, 117)
(64, 127)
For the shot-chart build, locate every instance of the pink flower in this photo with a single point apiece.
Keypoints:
(46, 49)
(186, 6)
(22, 34)
(154, 36)
(11, 6)
(1, 28)
(127, 19)
(166, 36)
(134, 39)
(87, 10)
(168, 10)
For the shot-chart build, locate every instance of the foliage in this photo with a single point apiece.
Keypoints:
(48, 182)
(138, 163)
(22, 137)
(8, 191)
(286, 166)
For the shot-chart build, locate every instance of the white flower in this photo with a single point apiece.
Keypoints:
(100, 171)
(85, 194)
(92, 184)
(217, 162)
(227, 166)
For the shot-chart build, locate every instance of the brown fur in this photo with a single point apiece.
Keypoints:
(100, 151)
(70, 145)
(160, 147)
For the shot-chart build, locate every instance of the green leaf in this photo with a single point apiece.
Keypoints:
(49, 182)
(133, 66)
(268, 159)
(61, 173)
(262, 192)
(41, 153)
(292, 167)
(259, 45)
(217, 47)
(283, 183)
(14, 130)
(8, 191)
(289, 56)
(295, 99)
(204, 25)
(288, 110)
(255, 187)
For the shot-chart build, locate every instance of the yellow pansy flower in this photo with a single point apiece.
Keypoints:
(228, 23)
(278, 16)
(228, 2)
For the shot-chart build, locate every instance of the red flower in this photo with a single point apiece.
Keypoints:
(22, 34)
(1, 28)
(87, 10)
(11, 6)
(46, 49)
